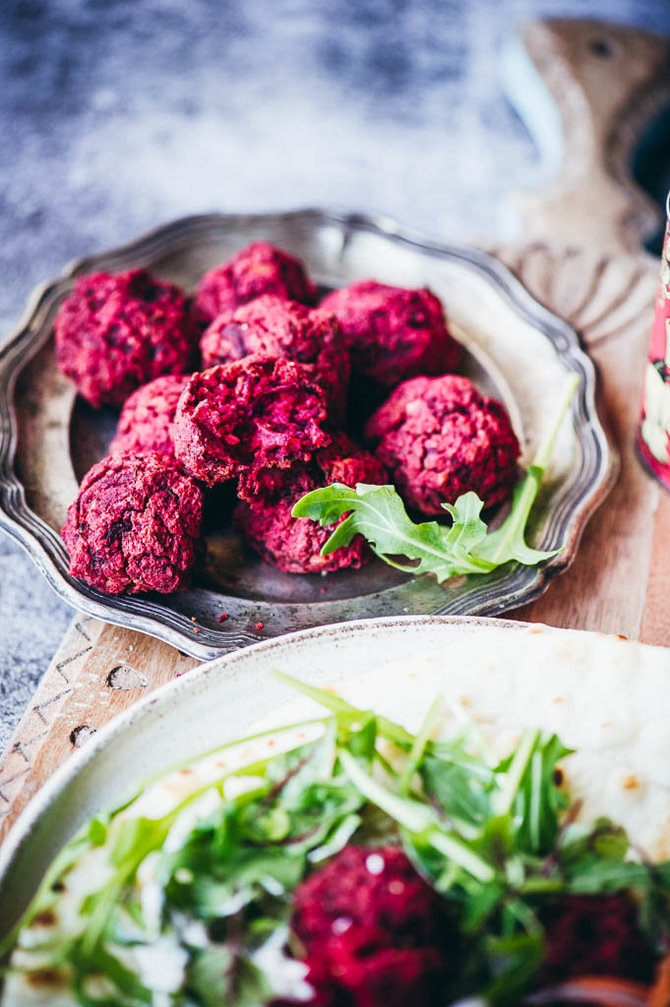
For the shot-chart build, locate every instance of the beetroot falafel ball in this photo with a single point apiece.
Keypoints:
(393, 333)
(281, 328)
(371, 926)
(134, 525)
(440, 437)
(115, 333)
(255, 412)
(294, 545)
(289, 543)
(590, 935)
(145, 423)
(260, 268)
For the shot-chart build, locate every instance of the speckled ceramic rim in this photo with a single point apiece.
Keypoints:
(493, 595)
(16, 853)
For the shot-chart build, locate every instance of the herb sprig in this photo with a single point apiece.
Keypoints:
(466, 547)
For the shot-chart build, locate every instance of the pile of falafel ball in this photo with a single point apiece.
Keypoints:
(250, 381)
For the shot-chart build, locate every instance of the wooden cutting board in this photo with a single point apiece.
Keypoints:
(581, 256)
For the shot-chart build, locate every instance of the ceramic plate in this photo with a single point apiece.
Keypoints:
(202, 709)
(225, 699)
(515, 350)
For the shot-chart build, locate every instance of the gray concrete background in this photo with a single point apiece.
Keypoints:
(117, 116)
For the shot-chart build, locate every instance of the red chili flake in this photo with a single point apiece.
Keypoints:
(222, 617)
(258, 625)
(196, 629)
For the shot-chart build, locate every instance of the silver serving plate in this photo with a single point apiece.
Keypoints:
(515, 349)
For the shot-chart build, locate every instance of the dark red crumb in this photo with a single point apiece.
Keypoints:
(222, 617)
(115, 333)
(393, 333)
(257, 269)
(276, 327)
(439, 438)
(259, 411)
(134, 525)
(146, 419)
(373, 932)
(264, 518)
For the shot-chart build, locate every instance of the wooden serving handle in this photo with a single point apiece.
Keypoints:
(597, 88)
(579, 254)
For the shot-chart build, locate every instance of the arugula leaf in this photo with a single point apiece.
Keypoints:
(378, 513)
(223, 975)
(604, 839)
(129, 989)
(417, 817)
(345, 712)
(462, 796)
(513, 961)
(508, 541)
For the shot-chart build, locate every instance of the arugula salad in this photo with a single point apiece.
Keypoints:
(357, 864)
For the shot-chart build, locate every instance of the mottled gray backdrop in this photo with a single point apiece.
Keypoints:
(117, 116)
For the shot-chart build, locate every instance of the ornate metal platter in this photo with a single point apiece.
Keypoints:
(515, 349)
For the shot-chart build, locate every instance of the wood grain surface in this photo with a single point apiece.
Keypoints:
(98, 671)
(606, 587)
(585, 272)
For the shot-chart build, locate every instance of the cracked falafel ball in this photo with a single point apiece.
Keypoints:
(267, 497)
(372, 928)
(145, 423)
(393, 333)
(280, 328)
(440, 437)
(134, 525)
(256, 412)
(260, 268)
(116, 332)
